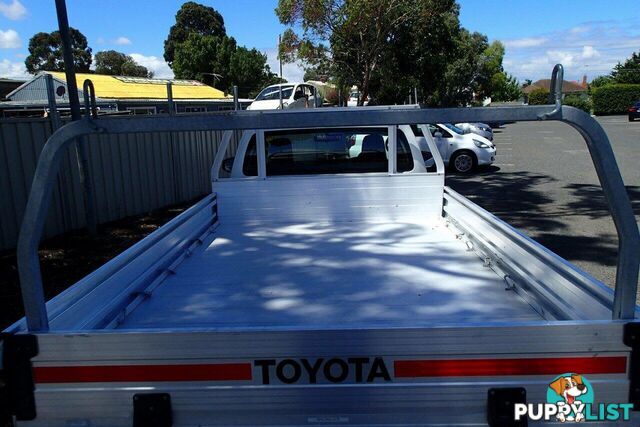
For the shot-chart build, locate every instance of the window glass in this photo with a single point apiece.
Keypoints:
(454, 128)
(433, 129)
(304, 152)
(272, 93)
(250, 164)
(299, 93)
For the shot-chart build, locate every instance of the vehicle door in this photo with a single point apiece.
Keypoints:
(299, 99)
(444, 141)
(312, 95)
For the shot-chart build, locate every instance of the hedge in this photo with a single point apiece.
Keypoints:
(615, 98)
(539, 97)
(578, 102)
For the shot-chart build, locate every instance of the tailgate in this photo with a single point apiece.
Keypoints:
(322, 377)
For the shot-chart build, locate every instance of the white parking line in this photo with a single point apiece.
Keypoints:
(504, 164)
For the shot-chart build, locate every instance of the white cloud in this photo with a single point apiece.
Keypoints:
(580, 29)
(153, 63)
(589, 52)
(291, 72)
(122, 41)
(563, 57)
(590, 48)
(15, 70)
(9, 39)
(14, 10)
(101, 40)
(525, 42)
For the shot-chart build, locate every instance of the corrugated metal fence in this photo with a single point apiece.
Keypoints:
(132, 174)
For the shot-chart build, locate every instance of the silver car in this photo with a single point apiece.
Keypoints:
(482, 129)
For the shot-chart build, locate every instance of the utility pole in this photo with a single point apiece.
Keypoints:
(279, 58)
(74, 104)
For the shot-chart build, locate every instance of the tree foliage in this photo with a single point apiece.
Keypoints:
(45, 52)
(629, 72)
(115, 63)
(615, 98)
(192, 18)
(539, 97)
(505, 87)
(198, 47)
(389, 47)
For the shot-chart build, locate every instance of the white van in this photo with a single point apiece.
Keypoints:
(294, 95)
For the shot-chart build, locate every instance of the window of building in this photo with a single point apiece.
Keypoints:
(142, 110)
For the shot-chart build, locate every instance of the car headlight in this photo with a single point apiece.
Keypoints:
(481, 144)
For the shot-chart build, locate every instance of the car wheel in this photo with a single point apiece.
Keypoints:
(630, 118)
(463, 162)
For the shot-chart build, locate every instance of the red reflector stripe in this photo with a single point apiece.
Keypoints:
(133, 373)
(497, 367)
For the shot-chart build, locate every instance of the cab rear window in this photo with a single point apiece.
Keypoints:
(332, 151)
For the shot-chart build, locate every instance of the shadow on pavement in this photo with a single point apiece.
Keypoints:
(511, 196)
(590, 200)
(517, 198)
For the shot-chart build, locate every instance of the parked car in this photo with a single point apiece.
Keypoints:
(481, 129)
(634, 111)
(462, 152)
(354, 96)
(294, 95)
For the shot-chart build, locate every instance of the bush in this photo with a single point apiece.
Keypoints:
(615, 98)
(539, 97)
(578, 102)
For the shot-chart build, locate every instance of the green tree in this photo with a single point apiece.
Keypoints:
(505, 87)
(491, 71)
(390, 47)
(200, 56)
(355, 35)
(600, 81)
(45, 52)
(192, 18)
(249, 71)
(221, 63)
(629, 72)
(115, 63)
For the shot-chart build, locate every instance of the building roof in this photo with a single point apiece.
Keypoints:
(117, 87)
(567, 86)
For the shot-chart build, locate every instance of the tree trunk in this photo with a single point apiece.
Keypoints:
(365, 87)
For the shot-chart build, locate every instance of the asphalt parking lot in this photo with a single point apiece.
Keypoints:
(543, 182)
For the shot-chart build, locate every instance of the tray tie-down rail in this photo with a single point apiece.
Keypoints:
(593, 134)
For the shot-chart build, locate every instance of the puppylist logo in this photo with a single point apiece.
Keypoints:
(570, 398)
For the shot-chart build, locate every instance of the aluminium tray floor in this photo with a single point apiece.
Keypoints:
(330, 276)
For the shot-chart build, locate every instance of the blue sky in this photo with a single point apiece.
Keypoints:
(587, 36)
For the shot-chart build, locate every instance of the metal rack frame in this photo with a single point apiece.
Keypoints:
(593, 134)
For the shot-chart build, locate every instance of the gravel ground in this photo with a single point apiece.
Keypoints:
(544, 183)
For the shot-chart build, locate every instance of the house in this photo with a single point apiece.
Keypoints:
(568, 87)
(7, 86)
(134, 95)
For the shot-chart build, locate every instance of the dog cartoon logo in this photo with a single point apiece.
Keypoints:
(570, 392)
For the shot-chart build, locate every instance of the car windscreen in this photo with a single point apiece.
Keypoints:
(334, 151)
(453, 128)
(272, 93)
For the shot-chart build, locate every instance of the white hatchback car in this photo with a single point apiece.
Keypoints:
(294, 95)
(462, 152)
(481, 129)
